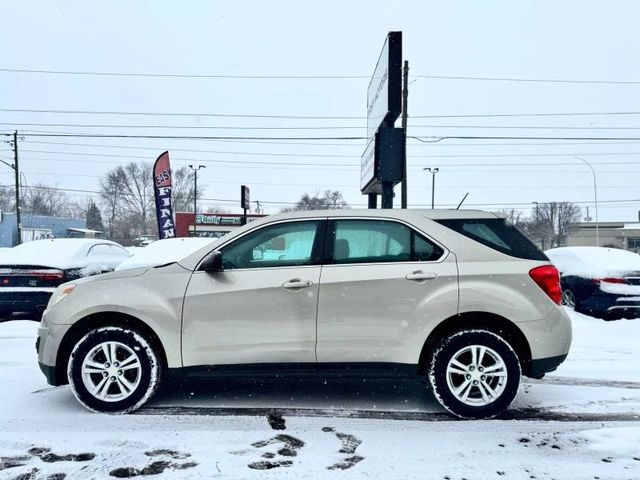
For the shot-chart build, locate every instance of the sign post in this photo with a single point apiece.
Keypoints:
(382, 160)
(245, 201)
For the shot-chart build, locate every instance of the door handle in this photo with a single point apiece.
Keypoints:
(420, 276)
(296, 284)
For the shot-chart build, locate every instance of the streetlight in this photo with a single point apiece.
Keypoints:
(595, 195)
(433, 172)
(195, 194)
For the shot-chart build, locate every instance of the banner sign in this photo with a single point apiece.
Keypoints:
(162, 188)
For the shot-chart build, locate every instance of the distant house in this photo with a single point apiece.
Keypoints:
(36, 227)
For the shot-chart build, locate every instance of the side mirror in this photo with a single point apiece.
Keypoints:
(213, 262)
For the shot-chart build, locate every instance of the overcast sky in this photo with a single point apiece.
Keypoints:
(579, 40)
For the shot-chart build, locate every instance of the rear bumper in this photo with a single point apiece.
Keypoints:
(610, 305)
(24, 301)
(541, 366)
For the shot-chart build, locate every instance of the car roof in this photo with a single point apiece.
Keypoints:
(436, 214)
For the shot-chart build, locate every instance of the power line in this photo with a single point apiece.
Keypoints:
(185, 75)
(205, 127)
(304, 155)
(218, 127)
(529, 80)
(305, 117)
(310, 77)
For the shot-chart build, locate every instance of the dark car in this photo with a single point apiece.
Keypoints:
(600, 282)
(29, 273)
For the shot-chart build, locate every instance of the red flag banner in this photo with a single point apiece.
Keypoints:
(162, 188)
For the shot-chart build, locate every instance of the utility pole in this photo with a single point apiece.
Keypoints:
(405, 96)
(433, 172)
(195, 195)
(17, 173)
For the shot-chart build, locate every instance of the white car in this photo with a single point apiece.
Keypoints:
(30, 272)
(460, 297)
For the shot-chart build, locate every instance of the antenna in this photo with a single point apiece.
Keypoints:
(463, 199)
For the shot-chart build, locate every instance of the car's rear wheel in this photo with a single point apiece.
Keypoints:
(568, 298)
(475, 374)
(113, 370)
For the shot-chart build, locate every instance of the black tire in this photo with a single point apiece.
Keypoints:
(137, 381)
(459, 346)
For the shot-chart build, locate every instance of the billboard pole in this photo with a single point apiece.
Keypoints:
(405, 96)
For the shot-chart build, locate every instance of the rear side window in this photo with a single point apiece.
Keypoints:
(369, 241)
(496, 233)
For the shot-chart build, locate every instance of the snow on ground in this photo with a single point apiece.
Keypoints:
(581, 422)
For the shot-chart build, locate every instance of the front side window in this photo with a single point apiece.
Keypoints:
(368, 241)
(282, 245)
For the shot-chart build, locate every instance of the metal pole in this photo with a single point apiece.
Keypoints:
(17, 172)
(195, 195)
(433, 171)
(405, 96)
(595, 195)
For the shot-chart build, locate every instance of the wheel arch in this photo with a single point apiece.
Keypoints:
(97, 320)
(501, 326)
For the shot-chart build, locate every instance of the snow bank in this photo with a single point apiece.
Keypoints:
(164, 251)
(593, 262)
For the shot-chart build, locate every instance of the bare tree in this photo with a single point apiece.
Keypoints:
(40, 199)
(111, 196)
(552, 222)
(182, 189)
(7, 199)
(514, 217)
(330, 200)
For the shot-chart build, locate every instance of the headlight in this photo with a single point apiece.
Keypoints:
(61, 293)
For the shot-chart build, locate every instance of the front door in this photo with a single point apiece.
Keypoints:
(262, 307)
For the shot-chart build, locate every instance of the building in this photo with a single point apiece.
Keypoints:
(209, 224)
(36, 227)
(612, 234)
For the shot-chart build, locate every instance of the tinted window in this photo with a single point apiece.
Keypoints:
(496, 233)
(285, 244)
(367, 241)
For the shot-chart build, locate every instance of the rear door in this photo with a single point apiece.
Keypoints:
(382, 286)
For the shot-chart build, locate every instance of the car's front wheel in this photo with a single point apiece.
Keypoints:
(113, 370)
(475, 374)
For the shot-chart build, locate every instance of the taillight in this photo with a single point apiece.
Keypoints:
(46, 275)
(548, 279)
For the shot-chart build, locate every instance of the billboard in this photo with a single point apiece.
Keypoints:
(383, 158)
(384, 95)
(162, 189)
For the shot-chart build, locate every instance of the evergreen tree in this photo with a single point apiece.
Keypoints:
(94, 218)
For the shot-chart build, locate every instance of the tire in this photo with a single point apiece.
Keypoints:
(474, 400)
(121, 381)
(569, 298)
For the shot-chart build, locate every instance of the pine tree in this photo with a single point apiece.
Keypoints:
(94, 218)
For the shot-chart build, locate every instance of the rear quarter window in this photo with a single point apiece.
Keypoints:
(498, 234)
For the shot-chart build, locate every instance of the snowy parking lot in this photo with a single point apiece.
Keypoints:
(579, 422)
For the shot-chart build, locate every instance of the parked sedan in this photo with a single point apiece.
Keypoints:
(601, 282)
(29, 273)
